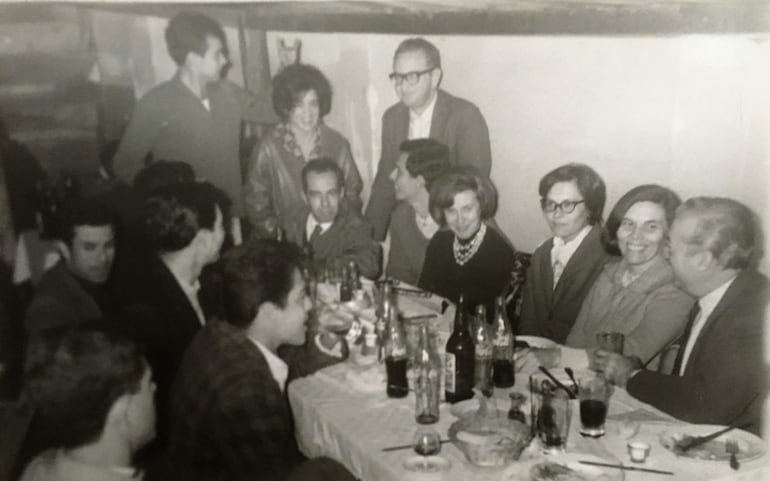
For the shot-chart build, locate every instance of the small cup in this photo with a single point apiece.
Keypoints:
(610, 341)
(638, 451)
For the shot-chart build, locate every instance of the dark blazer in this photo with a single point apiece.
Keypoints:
(158, 314)
(230, 419)
(726, 368)
(549, 312)
(349, 238)
(60, 300)
(456, 123)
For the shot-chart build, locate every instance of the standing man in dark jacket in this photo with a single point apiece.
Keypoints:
(424, 111)
(720, 375)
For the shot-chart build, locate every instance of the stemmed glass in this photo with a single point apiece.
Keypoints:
(427, 442)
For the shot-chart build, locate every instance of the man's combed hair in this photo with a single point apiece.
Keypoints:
(255, 273)
(426, 157)
(187, 32)
(75, 376)
(162, 173)
(725, 227)
(419, 44)
(322, 165)
(175, 213)
(82, 212)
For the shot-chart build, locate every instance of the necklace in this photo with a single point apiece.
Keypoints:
(463, 253)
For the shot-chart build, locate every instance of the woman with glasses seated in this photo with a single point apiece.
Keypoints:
(565, 266)
(301, 98)
(636, 295)
(467, 257)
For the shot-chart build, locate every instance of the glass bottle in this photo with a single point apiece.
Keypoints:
(482, 376)
(502, 351)
(385, 303)
(459, 360)
(427, 381)
(394, 351)
(346, 288)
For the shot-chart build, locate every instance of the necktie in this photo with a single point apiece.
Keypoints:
(558, 268)
(685, 337)
(316, 232)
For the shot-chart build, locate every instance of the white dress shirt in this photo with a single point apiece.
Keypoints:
(707, 304)
(562, 252)
(426, 225)
(311, 223)
(419, 124)
(278, 368)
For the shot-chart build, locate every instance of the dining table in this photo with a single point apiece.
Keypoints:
(353, 423)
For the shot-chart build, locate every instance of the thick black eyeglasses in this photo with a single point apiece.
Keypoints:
(565, 206)
(411, 77)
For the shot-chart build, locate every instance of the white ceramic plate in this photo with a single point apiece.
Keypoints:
(470, 406)
(749, 446)
(426, 464)
(537, 342)
(525, 470)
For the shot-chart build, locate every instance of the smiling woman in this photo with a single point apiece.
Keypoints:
(467, 257)
(636, 295)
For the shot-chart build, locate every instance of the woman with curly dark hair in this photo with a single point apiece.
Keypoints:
(301, 98)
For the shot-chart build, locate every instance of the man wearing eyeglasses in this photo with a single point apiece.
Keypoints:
(424, 111)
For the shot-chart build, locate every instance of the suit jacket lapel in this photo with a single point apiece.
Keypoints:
(440, 115)
(733, 293)
(575, 263)
(546, 273)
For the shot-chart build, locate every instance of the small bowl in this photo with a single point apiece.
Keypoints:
(515, 438)
(638, 451)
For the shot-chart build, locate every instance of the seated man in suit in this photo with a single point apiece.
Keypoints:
(93, 393)
(331, 229)
(424, 111)
(231, 417)
(162, 309)
(720, 375)
(75, 290)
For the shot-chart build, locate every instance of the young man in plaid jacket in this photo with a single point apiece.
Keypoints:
(231, 418)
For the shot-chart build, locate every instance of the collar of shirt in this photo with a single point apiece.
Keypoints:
(311, 223)
(563, 251)
(426, 225)
(191, 292)
(419, 124)
(278, 368)
(707, 304)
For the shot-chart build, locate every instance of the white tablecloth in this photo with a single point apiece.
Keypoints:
(333, 419)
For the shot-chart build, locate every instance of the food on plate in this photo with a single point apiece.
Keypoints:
(549, 471)
(714, 449)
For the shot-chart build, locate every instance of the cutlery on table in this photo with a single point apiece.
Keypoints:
(411, 292)
(419, 317)
(731, 446)
(627, 468)
(408, 446)
(571, 375)
(688, 444)
(557, 382)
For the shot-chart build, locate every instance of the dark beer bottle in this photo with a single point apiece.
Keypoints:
(459, 360)
(502, 351)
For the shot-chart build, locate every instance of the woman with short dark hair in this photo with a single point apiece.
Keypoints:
(565, 266)
(301, 98)
(636, 294)
(467, 257)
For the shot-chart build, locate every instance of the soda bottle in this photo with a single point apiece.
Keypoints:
(502, 351)
(427, 381)
(459, 360)
(394, 351)
(482, 377)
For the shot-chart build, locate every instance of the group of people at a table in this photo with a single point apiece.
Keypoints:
(222, 348)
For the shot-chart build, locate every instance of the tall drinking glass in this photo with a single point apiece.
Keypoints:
(610, 341)
(553, 420)
(594, 394)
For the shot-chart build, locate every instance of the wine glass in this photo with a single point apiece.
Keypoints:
(427, 442)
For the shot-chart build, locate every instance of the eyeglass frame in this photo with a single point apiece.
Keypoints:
(394, 76)
(562, 206)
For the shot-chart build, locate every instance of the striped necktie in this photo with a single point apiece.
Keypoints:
(315, 234)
